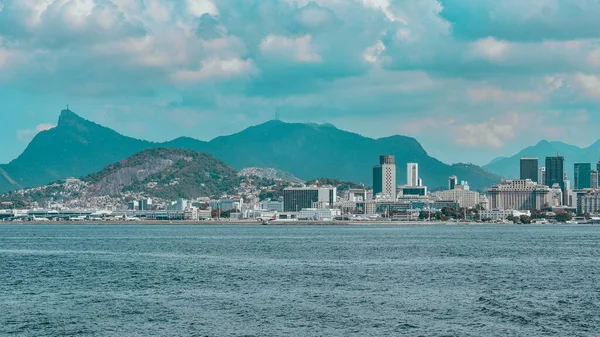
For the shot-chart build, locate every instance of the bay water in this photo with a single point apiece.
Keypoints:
(142, 280)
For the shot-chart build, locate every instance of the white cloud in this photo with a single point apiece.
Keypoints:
(589, 83)
(491, 48)
(201, 7)
(215, 68)
(298, 49)
(554, 82)
(493, 94)
(594, 58)
(493, 133)
(26, 136)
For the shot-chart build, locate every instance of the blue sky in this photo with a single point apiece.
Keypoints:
(470, 79)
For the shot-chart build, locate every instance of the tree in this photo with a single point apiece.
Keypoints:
(423, 215)
(525, 219)
(564, 217)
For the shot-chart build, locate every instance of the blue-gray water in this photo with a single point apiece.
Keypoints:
(299, 281)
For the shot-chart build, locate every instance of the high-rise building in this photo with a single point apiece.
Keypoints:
(594, 179)
(384, 177)
(297, 198)
(542, 176)
(519, 195)
(583, 174)
(529, 169)
(452, 182)
(598, 165)
(412, 174)
(555, 171)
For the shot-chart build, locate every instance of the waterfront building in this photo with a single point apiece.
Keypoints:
(297, 198)
(356, 195)
(452, 182)
(464, 198)
(412, 174)
(529, 169)
(318, 214)
(145, 204)
(230, 204)
(518, 195)
(588, 201)
(499, 214)
(594, 179)
(582, 177)
(384, 177)
(272, 205)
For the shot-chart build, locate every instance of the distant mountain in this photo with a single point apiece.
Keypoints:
(77, 147)
(165, 173)
(509, 167)
(269, 174)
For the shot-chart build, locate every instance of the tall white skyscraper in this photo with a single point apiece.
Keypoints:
(384, 177)
(412, 174)
(542, 176)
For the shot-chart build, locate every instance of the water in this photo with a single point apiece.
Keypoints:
(299, 281)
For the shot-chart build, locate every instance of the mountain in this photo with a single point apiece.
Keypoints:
(509, 167)
(74, 148)
(77, 147)
(166, 174)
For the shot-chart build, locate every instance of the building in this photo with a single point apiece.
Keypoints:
(594, 179)
(464, 198)
(588, 201)
(518, 195)
(555, 174)
(231, 204)
(412, 174)
(384, 177)
(529, 169)
(272, 205)
(411, 190)
(496, 215)
(356, 195)
(542, 176)
(319, 214)
(582, 177)
(297, 198)
(452, 182)
(145, 205)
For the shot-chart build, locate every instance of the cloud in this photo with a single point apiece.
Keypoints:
(589, 83)
(25, 136)
(215, 69)
(491, 48)
(298, 49)
(492, 133)
(493, 94)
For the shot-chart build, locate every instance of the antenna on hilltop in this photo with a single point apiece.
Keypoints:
(67, 107)
(277, 114)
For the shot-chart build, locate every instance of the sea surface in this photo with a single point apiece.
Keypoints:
(88, 280)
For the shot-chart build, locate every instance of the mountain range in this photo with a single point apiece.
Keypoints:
(509, 167)
(77, 147)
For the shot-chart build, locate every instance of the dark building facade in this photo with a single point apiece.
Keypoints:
(583, 174)
(529, 169)
(295, 199)
(555, 171)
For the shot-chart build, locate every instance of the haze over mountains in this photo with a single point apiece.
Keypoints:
(77, 147)
(509, 167)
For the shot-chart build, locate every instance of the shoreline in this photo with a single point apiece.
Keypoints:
(257, 223)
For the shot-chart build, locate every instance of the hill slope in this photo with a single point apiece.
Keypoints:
(77, 147)
(165, 173)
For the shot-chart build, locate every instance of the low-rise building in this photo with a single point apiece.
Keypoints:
(464, 198)
(502, 214)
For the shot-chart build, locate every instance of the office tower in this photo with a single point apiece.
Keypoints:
(594, 179)
(583, 174)
(452, 182)
(412, 174)
(542, 176)
(384, 177)
(529, 169)
(598, 166)
(297, 198)
(555, 171)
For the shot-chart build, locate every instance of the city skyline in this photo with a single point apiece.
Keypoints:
(163, 69)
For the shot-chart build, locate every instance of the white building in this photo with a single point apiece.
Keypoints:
(465, 198)
(272, 205)
(542, 176)
(502, 214)
(412, 174)
(518, 195)
(318, 214)
(384, 177)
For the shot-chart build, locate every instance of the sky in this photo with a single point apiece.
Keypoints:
(469, 79)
